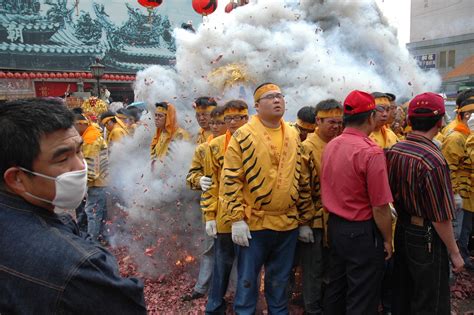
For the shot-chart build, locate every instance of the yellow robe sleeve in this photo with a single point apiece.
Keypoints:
(453, 149)
(210, 198)
(196, 170)
(96, 155)
(467, 189)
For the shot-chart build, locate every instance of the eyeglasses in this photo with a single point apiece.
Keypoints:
(216, 122)
(272, 96)
(382, 109)
(332, 122)
(236, 118)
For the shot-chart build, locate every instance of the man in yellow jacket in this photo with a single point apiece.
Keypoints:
(329, 122)
(455, 153)
(217, 225)
(199, 178)
(383, 136)
(116, 128)
(94, 149)
(203, 106)
(266, 201)
(167, 130)
(461, 97)
(467, 194)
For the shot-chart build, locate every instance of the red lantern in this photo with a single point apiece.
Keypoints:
(72, 75)
(39, 75)
(52, 75)
(10, 75)
(83, 75)
(230, 6)
(46, 75)
(150, 3)
(204, 7)
(17, 75)
(106, 77)
(122, 77)
(2, 75)
(89, 75)
(25, 75)
(33, 75)
(65, 75)
(77, 75)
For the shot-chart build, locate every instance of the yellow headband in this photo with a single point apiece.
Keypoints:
(264, 89)
(305, 125)
(206, 109)
(466, 108)
(160, 109)
(235, 111)
(218, 117)
(106, 120)
(384, 101)
(335, 112)
(122, 116)
(82, 121)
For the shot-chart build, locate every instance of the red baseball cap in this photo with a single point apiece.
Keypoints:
(426, 105)
(358, 102)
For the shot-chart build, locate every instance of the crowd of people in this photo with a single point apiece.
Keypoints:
(371, 199)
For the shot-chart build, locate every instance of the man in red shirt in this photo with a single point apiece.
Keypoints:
(356, 193)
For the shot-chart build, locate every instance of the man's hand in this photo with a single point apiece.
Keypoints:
(305, 234)
(205, 183)
(241, 233)
(388, 249)
(457, 261)
(211, 228)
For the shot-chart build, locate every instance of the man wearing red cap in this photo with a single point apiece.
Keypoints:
(424, 201)
(356, 193)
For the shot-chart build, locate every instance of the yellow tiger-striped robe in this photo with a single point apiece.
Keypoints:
(196, 171)
(467, 175)
(210, 204)
(160, 149)
(203, 135)
(454, 151)
(262, 186)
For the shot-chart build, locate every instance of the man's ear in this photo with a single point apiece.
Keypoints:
(14, 180)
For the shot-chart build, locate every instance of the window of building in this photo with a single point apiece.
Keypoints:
(451, 58)
(442, 59)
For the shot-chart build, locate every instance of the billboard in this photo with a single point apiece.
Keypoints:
(71, 34)
(427, 61)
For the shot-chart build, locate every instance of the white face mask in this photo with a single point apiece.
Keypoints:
(71, 187)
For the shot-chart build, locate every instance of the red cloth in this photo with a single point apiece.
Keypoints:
(354, 176)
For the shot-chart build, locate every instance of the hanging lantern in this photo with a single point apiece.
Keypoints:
(33, 75)
(2, 75)
(52, 75)
(25, 75)
(46, 75)
(150, 3)
(204, 7)
(17, 75)
(230, 6)
(10, 75)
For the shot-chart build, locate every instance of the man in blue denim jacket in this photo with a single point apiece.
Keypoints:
(46, 267)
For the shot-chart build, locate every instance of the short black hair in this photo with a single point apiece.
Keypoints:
(205, 101)
(237, 104)
(328, 104)
(465, 103)
(124, 111)
(162, 104)
(217, 111)
(307, 114)
(424, 123)
(78, 116)
(357, 119)
(77, 110)
(23, 123)
(108, 113)
(135, 113)
(464, 95)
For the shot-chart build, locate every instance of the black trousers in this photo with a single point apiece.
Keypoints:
(356, 265)
(421, 271)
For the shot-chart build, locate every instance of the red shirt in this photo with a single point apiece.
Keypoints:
(354, 176)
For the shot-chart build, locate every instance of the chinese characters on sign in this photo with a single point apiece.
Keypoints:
(427, 61)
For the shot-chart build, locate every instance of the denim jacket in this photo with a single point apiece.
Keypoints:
(46, 267)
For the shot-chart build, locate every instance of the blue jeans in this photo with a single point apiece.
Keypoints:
(275, 251)
(464, 236)
(206, 266)
(224, 259)
(95, 210)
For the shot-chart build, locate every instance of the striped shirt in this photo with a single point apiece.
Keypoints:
(419, 178)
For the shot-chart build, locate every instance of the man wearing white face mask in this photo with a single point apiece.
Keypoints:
(45, 265)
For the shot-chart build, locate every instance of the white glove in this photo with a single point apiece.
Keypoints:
(306, 234)
(211, 228)
(205, 183)
(458, 201)
(241, 233)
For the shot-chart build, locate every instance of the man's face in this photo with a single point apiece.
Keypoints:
(81, 127)
(381, 116)
(60, 152)
(218, 127)
(271, 106)
(392, 112)
(109, 125)
(329, 127)
(203, 119)
(234, 122)
(160, 120)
